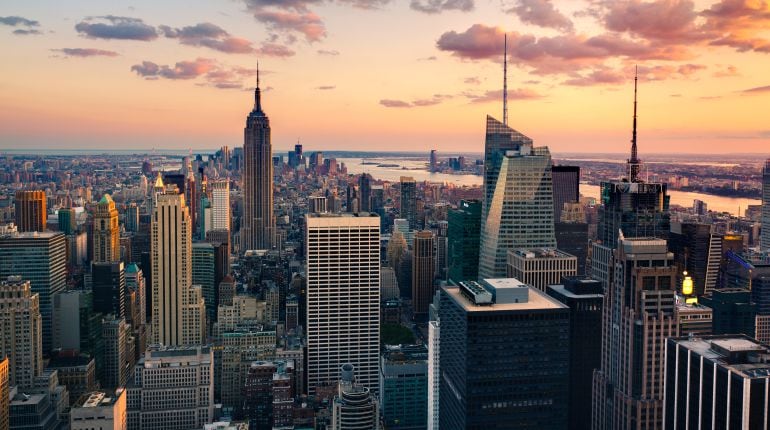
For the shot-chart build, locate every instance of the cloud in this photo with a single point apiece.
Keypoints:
(395, 103)
(14, 21)
(738, 24)
(274, 50)
(209, 35)
(668, 20)
(431, 58)
(598, 77)
(326, 87)
(726, 72)
(541, 13)
(26, 32)
(116, 27)
(329, 52)
(473, 80)
(306, 23)
(664, 72)
(756, 90)
(550, 55)
(181, 70)
(438, 6)
(86, 52)
(497, 95)
(432, 101)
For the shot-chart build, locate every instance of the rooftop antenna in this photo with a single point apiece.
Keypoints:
(505, 79)
(633, 162)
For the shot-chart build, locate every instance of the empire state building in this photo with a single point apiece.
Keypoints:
(258, 230)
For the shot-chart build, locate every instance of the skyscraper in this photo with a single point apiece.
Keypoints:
(109, 288)
(639, 314)
(39, 258)
(67, 220)
(423, 272)
(220, 205)
(518, 198)
(178, 312)
(4, 393)
(106, 231)
(404, 387)
(433, 161)
(524, 336)
(583, 296)
(716, 382)
(258, 228)
(343, 297)
(409, 201)
(566, 187)
(203, 276)
(20, 331)
(365, 192)
(354, 407)
(30, 210)
(765, 242)
(463, 241)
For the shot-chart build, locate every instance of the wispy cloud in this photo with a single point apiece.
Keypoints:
(116, 27)
(85, 52)
(438, 6)
(541, 13)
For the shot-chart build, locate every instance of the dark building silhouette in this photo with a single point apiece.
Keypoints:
(572, 238)
(504, 357)
(733, 311)
(584, 298)
(409, 201)
(566, 187)
(696, 251)
(109, 289)
(463, 241)
(365, 193)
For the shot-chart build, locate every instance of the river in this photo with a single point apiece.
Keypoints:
(416, 168)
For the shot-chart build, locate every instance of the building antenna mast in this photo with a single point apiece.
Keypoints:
(505, 80)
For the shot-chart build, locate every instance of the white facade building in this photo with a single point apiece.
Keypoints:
(343, 297)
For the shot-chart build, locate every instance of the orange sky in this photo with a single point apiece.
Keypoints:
(386, 75)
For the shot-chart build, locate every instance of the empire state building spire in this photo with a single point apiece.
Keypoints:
(258, 228)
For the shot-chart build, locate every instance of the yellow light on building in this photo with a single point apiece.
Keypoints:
(687, 285)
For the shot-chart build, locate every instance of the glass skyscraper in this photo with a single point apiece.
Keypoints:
(765, 240)
(463, 241)
(518, 198)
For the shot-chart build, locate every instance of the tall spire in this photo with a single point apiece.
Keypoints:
(633, 163)
(505, 80)
(257, 94)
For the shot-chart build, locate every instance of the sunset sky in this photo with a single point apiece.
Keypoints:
(385, 74)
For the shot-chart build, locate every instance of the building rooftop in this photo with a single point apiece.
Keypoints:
(96, 399)
(32, 235)
(540, 253)
(535, 299)
(739, 353)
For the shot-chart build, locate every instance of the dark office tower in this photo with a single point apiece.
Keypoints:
(433, 161)
(409, 201)
(463, 241)
(524, 336)
(204, 275)
(41, 259)
(377, 203)
(404, 387)
(423, 272)
(765, 238)
(106, 231)
(717, 382)
(733, 311)
(258, 227)
(572, 238)
(132, 217)
(351, 205)
(30, 210)
(365, 193)
(584, 298)
(566, 187)
(698, 252)
(633, 206)
(638, 316)
(67, 221)
(518, 206)
(258, 395)
(109, 288)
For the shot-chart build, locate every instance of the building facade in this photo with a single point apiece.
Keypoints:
(258, 225)
(525, 334)
(639, 314)
(343, 297)
(566, 187)
(540, 268)
(20, 332)
(106, 232)
(463, 238)
(404, 387)
(409, 201)
(765, 242)
(30, 210)
(518, 206)
(423, 272)
(100, 410)
(178, 311)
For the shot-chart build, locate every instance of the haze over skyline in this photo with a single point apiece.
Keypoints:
(377, 74)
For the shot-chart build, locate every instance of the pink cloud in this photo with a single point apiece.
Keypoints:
(541, 13)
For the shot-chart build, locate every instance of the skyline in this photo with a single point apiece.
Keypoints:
(178, 78)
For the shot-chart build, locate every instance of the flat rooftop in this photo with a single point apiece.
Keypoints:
(561, 289)
(749, 357)
(537, 299)
(540, 253)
